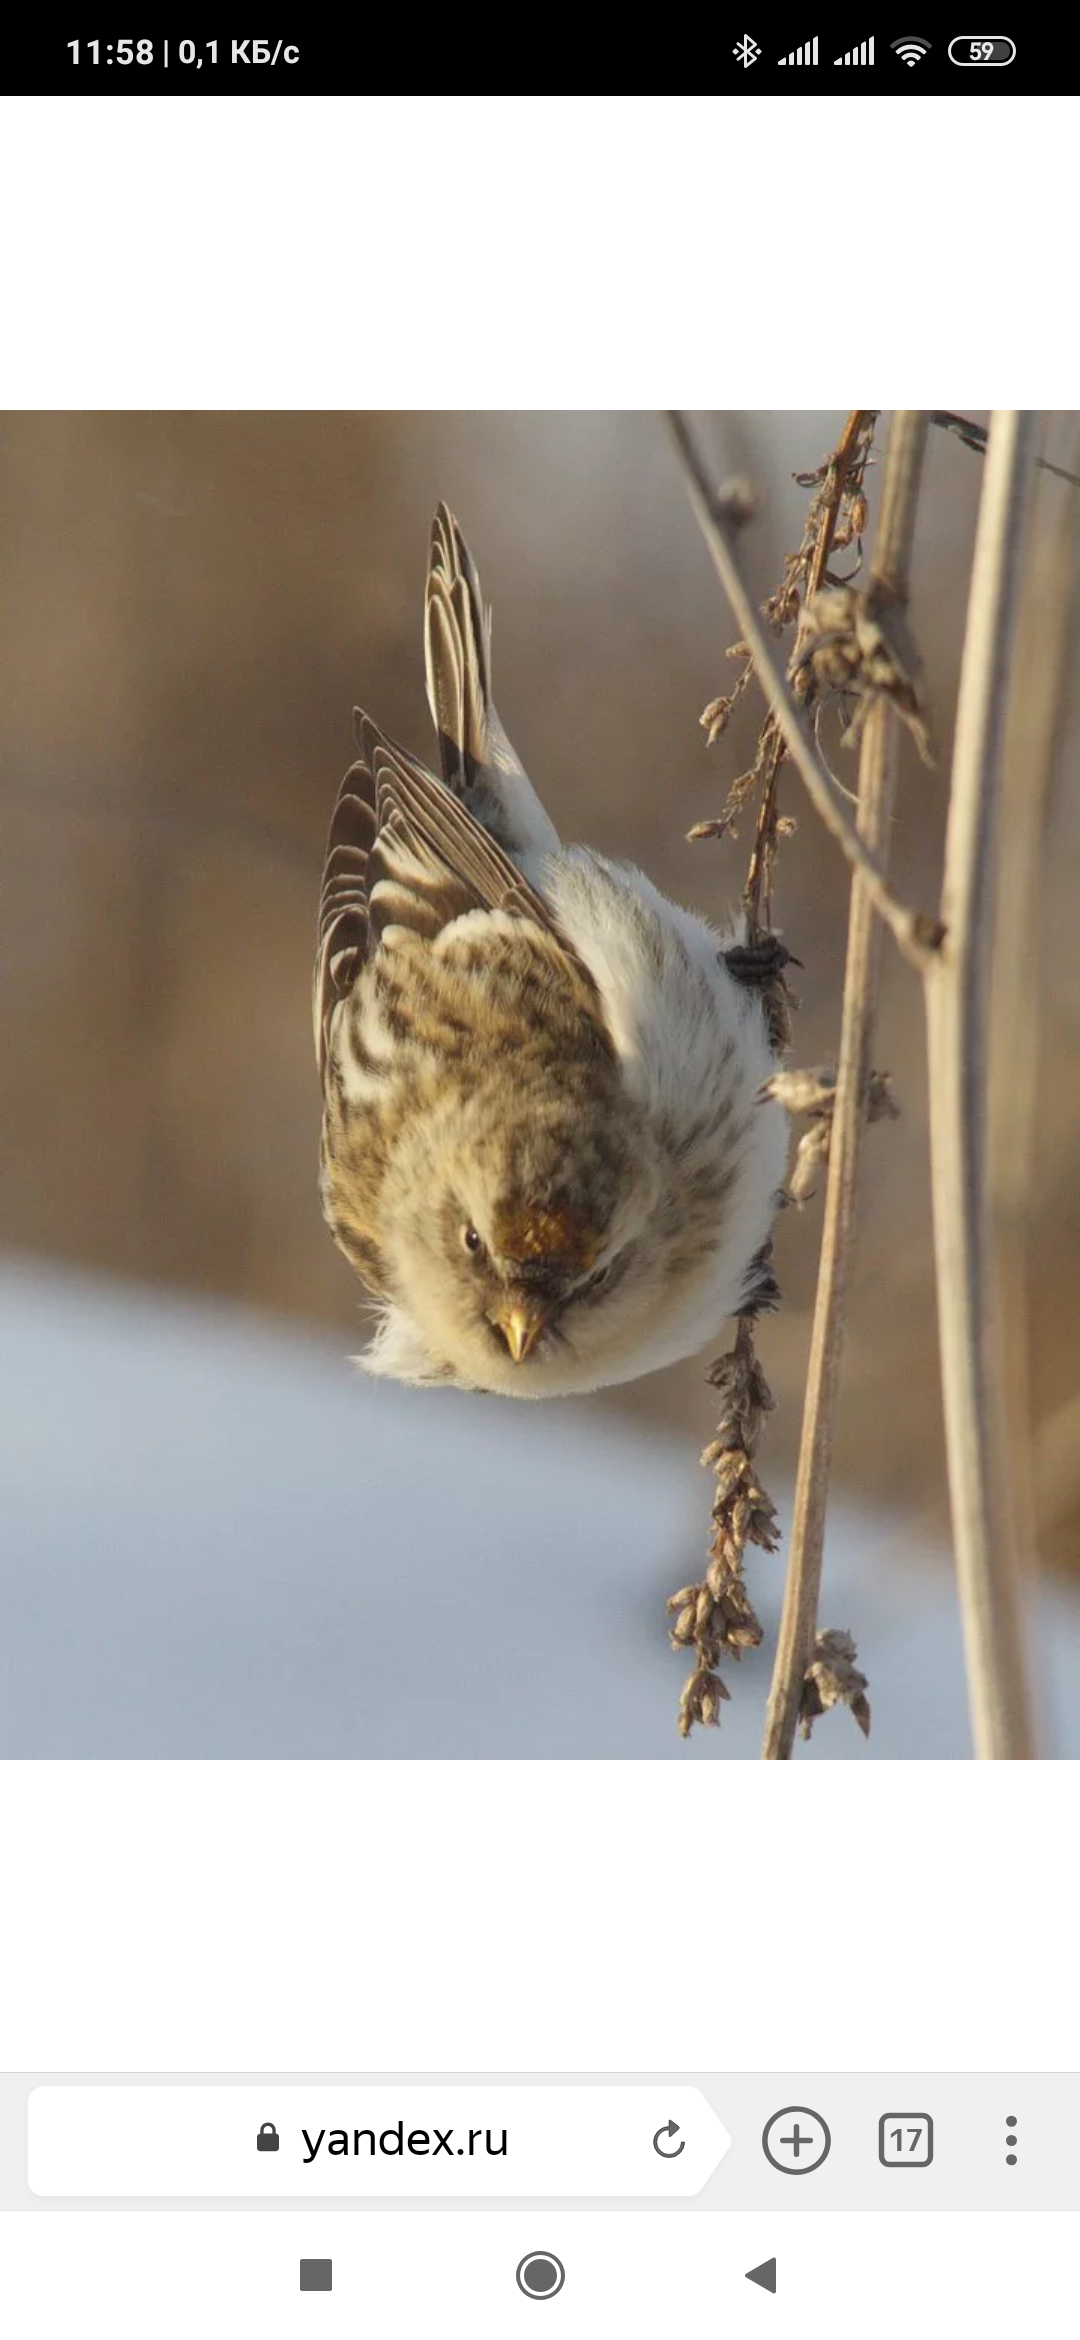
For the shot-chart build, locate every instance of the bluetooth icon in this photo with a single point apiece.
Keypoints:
(746, 50)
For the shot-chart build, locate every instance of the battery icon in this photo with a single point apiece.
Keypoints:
(970, 49)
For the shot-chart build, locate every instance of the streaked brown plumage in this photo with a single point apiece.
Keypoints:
(542, 1145)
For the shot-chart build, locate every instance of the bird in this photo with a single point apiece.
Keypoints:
(545, 1147)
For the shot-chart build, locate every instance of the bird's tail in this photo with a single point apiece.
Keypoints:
(457, 653)
(478, 762)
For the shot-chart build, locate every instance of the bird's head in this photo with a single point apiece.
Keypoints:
(525, 1267)
(509, 1242)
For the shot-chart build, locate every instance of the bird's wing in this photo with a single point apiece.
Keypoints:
(404, 852)
(342, 931)
(479, 764)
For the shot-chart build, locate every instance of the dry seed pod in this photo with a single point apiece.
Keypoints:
(861, 642)
(834, 1679)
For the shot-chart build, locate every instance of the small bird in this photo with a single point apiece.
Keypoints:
(543, 1148)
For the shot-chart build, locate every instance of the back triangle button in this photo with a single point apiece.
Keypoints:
(765, 2275)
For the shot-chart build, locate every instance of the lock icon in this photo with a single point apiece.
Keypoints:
(268, 2139)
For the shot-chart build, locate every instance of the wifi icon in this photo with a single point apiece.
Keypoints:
(911, 48)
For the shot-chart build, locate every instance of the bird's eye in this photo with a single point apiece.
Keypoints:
(471, 1239)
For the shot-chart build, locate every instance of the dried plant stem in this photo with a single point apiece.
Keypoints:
(916, 935)
(831, 498)
(877, 781)
(715, 1618)
(1047, 629)
(958, 996)
(758, 888)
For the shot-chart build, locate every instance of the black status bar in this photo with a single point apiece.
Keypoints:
(754, 60)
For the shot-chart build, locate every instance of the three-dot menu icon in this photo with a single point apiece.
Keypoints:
(1010, 2140)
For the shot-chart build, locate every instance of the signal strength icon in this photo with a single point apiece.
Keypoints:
(911, 48)
(863, 55)
(805, 54)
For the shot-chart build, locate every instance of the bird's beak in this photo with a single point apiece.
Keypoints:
(521, 1326)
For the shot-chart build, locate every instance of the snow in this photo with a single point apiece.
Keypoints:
(221, 1541)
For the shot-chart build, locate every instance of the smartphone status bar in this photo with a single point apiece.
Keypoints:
(752, 59)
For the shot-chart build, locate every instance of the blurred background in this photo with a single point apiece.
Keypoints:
(190, 606)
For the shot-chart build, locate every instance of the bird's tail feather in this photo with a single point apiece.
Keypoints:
(478, 761)
(457, 653)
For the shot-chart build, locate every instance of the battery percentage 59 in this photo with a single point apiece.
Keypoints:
(985, 49)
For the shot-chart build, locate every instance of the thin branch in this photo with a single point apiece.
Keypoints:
(877, 781)
(958, 993)
(917, 935)
(973, 435)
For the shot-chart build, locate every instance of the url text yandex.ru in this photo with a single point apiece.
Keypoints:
(396, 2140)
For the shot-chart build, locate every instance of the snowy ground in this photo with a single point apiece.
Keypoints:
(220, 1541)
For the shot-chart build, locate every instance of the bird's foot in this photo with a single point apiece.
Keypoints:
(758, 963)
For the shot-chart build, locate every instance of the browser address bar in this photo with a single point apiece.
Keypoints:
(202, 2142)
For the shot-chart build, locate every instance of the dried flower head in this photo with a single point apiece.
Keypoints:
(834, 1679)
(813, 1091)
(738, 501)
(835, 519)
(862, 643)
(716, 1617)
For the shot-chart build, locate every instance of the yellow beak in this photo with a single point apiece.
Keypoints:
(521, 1327)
